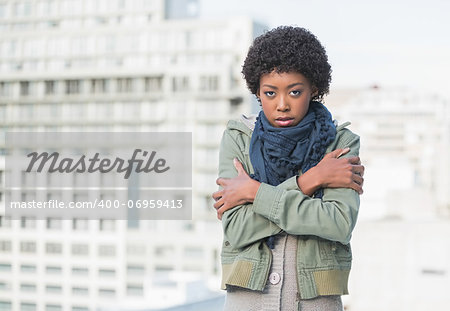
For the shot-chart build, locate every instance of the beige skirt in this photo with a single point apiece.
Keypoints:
(280, 292)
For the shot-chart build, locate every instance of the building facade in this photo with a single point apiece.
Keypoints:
(405, 147)
(400, 243)
(125, 66)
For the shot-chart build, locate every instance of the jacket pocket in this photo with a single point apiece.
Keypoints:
(332, 251)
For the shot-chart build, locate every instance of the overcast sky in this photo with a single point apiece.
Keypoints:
(388, 43)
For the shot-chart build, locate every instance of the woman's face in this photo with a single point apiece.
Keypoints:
(285, 97)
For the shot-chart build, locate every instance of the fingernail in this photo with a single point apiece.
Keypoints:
(346, 149)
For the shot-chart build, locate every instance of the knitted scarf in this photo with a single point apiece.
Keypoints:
(277, 154)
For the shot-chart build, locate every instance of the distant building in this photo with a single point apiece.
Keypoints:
(405, 146)
(400, 243)
(115, 65)
(400, 265)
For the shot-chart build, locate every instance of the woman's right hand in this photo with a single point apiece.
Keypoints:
(333, 172)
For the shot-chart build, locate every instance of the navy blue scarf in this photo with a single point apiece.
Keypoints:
(277, 154)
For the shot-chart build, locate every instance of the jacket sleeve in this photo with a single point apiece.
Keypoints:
(285, 207)
(333, 217)
(241, 225)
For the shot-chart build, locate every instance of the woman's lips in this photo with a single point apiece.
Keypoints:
(284, 121)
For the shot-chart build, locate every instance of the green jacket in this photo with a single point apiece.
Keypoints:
(323, 226)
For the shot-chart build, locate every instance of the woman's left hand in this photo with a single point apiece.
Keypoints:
(235, 191)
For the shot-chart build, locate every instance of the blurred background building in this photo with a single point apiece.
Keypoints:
(131, 66)
(155, 65)
(401, 247)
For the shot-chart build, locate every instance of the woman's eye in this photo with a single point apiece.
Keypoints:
(270, 93)
(296, 93)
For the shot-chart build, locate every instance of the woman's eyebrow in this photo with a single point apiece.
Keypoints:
(295, 84)
(289, 86)
(271, 86)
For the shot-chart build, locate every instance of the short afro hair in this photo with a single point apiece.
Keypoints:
(288, 49)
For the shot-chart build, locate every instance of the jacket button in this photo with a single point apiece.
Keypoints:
(274, 278)
(227, 243)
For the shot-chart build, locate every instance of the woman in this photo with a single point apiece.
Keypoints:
(288, 221)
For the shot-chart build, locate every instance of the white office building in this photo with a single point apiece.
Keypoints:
(115, 65)
(405, 146)
(400, 243)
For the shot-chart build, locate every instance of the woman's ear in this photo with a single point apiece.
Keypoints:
(258, 98)
(314, 91)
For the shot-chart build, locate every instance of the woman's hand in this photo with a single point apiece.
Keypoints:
(332, 172)
(235, 191)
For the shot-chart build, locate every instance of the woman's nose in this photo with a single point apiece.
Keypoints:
(282, 104)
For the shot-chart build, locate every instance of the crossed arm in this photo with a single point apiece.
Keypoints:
(289, 206)
(331, 172)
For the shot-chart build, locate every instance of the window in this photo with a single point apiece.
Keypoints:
(4, 286)
(106, 250)
(99, 86)
(50, 87)
(165, 251)
(107, 272)
(23, 9)
(53, 289)
(5, 246)
(124, 85)
(26, 111)
(53, 269)
(135, 290)
(80, 224)
(104, 110)
(54, 223)
(24, 88)
(153, 84)
(107, 224)
(73, 86)
(80, 271)
(235, 103)
(6, 89)
(5, 221)
(53, 308)
(131, 110)
(136, 269)
(77, 110)
(80, 291)
(136, 249)
(5, 306)
(180, 84)
(106, 292)
(5, 267)
(28, 247)
(3, 10)
(27, 306)
(53, 248)
(28, 268)
(80, 249)
(209, 83)
(193, 252)
(163, 268)
(27, 222)
(28, 287)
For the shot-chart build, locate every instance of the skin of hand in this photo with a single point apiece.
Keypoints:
(330, 172)
(236, 191)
